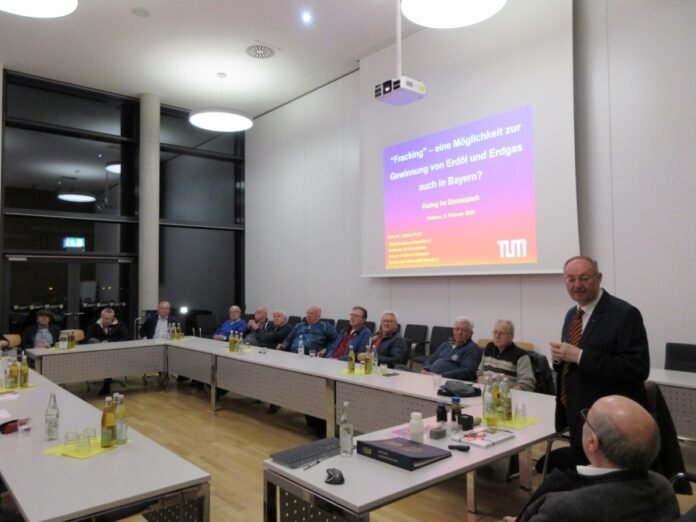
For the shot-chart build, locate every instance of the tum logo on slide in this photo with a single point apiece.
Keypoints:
(510, 248)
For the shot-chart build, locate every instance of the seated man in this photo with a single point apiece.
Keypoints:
(315, 334)
(106, 330)
(456, 359)
(233, 325)
(390, 345)
(279, 330)
(157, 326)
(43, 334)
(356, 334)
(258, 325)
(505, 357)
(620, 439)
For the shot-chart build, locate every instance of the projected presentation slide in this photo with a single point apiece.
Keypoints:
(462, 196)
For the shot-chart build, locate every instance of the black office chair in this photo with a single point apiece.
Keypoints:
(207, 324)
(370, 326)
(332, 322)
(294, 319)
(680, 357)
(341, 324)
(679, 482)
(416, 335)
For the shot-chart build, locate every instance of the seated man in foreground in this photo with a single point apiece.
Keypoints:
(620, 439)
(506, 358)
(458, 358)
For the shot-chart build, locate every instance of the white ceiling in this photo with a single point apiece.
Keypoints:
(178, 49)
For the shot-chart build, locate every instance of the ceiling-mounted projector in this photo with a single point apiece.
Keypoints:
(400, 91)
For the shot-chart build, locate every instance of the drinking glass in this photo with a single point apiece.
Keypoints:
(437, 381)
(312, 353)
(520, 414)
(90, 434)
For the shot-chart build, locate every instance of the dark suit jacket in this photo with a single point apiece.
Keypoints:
(271, 336)
(29, 334)
(148, 328)
(630, 496)
(615, 361)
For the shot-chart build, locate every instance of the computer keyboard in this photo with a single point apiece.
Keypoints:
(303, 455)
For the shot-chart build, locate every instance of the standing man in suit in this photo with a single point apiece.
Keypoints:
(157, 326)
(604, 349)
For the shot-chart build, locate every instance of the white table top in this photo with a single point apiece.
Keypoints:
(673, 378)
(93, 347)
(70, 488)
(371, 484)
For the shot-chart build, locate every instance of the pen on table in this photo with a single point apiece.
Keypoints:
(311, 464)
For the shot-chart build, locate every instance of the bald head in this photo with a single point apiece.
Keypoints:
(313, 314)
(626, 434)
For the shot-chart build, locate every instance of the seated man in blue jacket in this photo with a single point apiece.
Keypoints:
(356, 334)
(233, 325)
(315, 334)
(458, 358)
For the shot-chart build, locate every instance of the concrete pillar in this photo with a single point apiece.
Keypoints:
(148, 245)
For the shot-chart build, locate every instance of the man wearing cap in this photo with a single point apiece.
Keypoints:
(43, 334)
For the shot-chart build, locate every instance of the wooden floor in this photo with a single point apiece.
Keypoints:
(232, 444)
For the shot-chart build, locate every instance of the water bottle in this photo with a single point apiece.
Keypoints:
(300, 348)
(52, 416)
(346, 432)
(121, 420)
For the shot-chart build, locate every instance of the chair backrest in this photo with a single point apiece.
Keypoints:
(439, 335)
(332, 322)
(207, 324)
(542, 373)
(79, 334)
(14, 339)
(483, 342)
(341, 324)
(294, 319)
(681, 357)
(370, 326)
(525, 346)
(416, 333)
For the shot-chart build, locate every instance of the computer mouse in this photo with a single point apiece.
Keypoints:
(334, 476)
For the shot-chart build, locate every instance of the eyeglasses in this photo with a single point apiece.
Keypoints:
(583, 414)
(388, 321)
(359, 316)
(498, 332)
(584, 279)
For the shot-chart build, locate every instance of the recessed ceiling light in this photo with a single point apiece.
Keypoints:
(448, 14)
(76, 197)
(114, 167)
(306, 17)
(39, 8)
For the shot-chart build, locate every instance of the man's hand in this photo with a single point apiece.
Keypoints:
(322, 352)
(426, 372)
(565, 352)
(280, 346)
(219, 337)
(252, 325)
(509, 519)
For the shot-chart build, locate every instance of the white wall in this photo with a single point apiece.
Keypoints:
(635, 112)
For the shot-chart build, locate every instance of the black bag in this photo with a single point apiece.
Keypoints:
(458, 389)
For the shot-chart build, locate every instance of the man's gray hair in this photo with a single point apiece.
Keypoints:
(621, 450)
(281, 312)
(165, 303)
(390, 312)
(107, 311)
(510, 324)
(595, 265)
(235, 308)
(464, 319)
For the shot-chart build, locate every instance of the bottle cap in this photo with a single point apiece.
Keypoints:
(441, 403)
(416, 415)
(456, 400)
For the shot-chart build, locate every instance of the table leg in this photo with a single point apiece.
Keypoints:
(330, 408)
(213, 385)
(525, 469)
(471, 491)
(270, 500)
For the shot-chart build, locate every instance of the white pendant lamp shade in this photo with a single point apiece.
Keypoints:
(39, 8)
(76, 197)
(219, 119)
(114, 167)
(448, 14)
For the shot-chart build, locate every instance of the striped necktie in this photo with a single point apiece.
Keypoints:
(573, 338)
